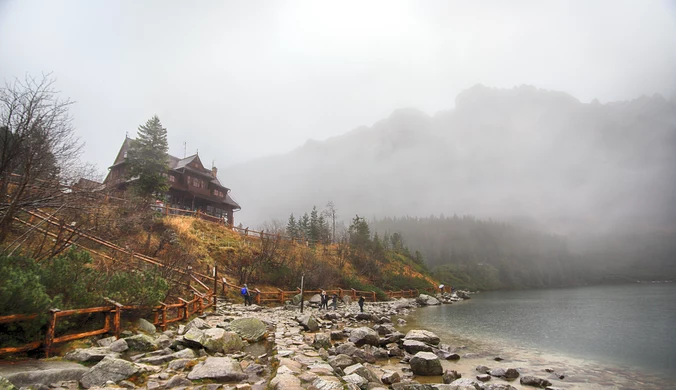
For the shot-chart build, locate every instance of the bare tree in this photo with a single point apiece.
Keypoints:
(38, 149)
(330, 212)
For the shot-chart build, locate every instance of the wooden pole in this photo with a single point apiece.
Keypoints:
(302, 299)
(51, 326)
(215, 285)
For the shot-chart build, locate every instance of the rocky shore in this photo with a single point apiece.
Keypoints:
(252, 347)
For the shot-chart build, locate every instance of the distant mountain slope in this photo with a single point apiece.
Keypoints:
(521, 154)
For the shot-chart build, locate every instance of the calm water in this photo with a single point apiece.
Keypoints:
(633, 326)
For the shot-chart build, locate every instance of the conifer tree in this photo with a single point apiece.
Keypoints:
(292, 227)
(314, 225)
(147, 160)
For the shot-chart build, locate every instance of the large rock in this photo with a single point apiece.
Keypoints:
(197, 323)
(296, 299)
(390, 377)
(364, 335)
(341, 361)
(95, 354)
(422, 335)
(218, 368)
(449, 376)
(177, 381)
(34, 372)
(250, 329)
(362, 371)
(426, 300)
(358, 380)
(322, 340)
(465, 384)
(426, 364)
(141, 343)
(415, 346)
(145, 326)
(412, 385)
(499, 386)
(286, 381)
(218, 340)
(108, 369)
(119, 345)
(308, 322)
(316, 299)
(534, 381)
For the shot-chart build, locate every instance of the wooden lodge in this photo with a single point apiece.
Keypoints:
(192, 186)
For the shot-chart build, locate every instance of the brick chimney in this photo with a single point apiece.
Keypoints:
(214, 172)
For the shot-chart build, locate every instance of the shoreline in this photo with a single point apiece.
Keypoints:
(323, 350)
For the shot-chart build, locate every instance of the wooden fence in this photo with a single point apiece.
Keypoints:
(112, 320)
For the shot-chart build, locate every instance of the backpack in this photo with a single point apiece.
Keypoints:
(244, 291)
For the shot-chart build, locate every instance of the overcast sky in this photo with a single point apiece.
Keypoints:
(240, 80)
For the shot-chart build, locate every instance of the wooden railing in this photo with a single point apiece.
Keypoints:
(112, 320)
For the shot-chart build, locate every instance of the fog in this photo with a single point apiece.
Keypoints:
(559, 114)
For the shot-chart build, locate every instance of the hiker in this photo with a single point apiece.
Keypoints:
(246, 295)
(361, 303)
(335, 301)
(324, 301)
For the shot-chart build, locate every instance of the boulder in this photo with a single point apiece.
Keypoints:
(390, 377)
(141, 343)
(427, 300)
(222, 369)
(178, 381)
(362, 371)
(145, 326)
(422, 335)
(337, 335)
(364, 317)
(462, 294)
(315, 299)
(534, 381)
(106, 341)
(36, 372)
(341, 361)
(108, 369)
(197, 323)
(285, 381)
(347, 348)
(322, 340)
(465, 384)
(483, 377)
(179, 364)
(426, 364)
(415, 346)
(384, 329)
(296, 299)
(450, 375)
(499, 372)
(482, 369)
(308, 322)
(118, 345)
(347, 300)
(511, 373)
(364, 335)
(250, 329)
(360, 381)
(499, 386)
(95, 354)
(443, 354)
(218, 340)
(411, 385)
(393, 337)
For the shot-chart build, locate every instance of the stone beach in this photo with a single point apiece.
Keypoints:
(253, 347)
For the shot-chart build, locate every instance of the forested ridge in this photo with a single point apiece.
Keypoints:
(485, 254)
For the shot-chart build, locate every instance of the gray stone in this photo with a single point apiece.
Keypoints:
(465, 384)
(146, 326)
(422, 335)
(411, 385)
(249, 328)
(141, 343)
(384, 329)
(95, 354)
(362, 371)
(327, 383)
(178, 381)
(415, 346)
(164, 341)
(426, 300)
(347, 300)
(286, 381)
(179, 364)
(296, 299)
(337, 335)
(108, 369)
(341, 361)
(497, 372)
(185, 354)
(364, 335)
(308, 322)
(347, 348)
(119, 345)
(390, 377)
(357, 380)
(483, 377)
(482, 369)
(511, 373)
(197, 323)
(30, 373)
(322, 340)
(499, 386)
(449, 376)
(534, 381)
(218, 368)
(218, 340)
(426, 364)
(105, 342)
(315, 299)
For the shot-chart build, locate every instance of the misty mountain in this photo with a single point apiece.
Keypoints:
(524, 155)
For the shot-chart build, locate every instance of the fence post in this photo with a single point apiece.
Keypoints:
(281, 296)
(51, 326)
(117, 314)
(340, 292)
(163, 324)
(354, 293)
(199, 298)
(374, 295)
(215, 285)
(185, 308)
(258, 296)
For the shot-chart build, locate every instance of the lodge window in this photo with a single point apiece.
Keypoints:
(172, 178)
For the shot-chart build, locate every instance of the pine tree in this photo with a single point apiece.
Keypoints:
(147, 160)
(292, 227)
(304, 226)
(314, 225)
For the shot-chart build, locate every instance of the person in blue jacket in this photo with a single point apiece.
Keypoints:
(246, 295)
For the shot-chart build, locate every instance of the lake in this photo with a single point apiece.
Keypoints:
(628, 331)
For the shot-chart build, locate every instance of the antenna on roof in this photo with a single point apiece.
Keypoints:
(126, 134)
(184, 147)
(198, 152)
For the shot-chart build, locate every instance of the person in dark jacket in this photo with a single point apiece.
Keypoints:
(246, 295)
(361, 303)
(335, 301)
(324, 301)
